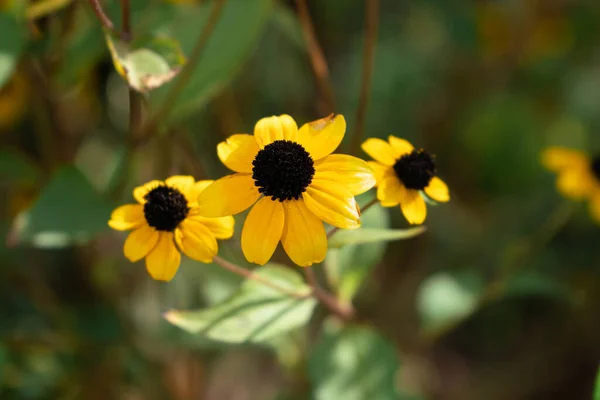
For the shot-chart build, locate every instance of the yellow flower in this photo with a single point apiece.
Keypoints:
(296, 184)
(578, 175)
(403, 173)
(167, 215)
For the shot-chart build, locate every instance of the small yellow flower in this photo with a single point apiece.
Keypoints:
(166, 221)
(403, 173)
(578, 175)
(296, 184)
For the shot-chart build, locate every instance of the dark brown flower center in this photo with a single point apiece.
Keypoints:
(283, 170)
(596, 167)
(165, 208)
(415, 169)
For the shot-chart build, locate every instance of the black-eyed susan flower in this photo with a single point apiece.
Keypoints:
(403, 173)
(578, 175)
(166, 221)
(293, 184)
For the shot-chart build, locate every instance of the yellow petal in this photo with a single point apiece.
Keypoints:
(595, 207)
(196, 241)
(262, 230)
(332, 203)
(381, 151)
(221, 228)
(127, 217)
(304, 238)
(193, 192)
(229, 195)
(380, 170)
(163, 261)
(390, 191)
(321, 137)
(140, 191)
(238, 152)
(438, 190)
(140, 242)
(559, 158)
(413, 207)
(574, 183)
(270, 129)
(401, 146)
(355, 174)
(183, 183)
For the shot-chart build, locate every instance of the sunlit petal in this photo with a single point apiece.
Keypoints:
(413, 207)
(380, 170)
(140, 242)
(221, 228)
(304, 238)
(560, 158)
(229, 195)
(238, 152)
(438, 190)
(574, 183)
(163, 261)
(321, 137)
(355, 174)
(267, 130)
(401, 146)
(262, 230)
(390, 191)
(127, 217)
(140, 191)
(332, 203)
(196, 241)
(381, 151)
(183, 183)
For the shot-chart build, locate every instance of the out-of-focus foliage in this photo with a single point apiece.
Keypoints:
(497, 299)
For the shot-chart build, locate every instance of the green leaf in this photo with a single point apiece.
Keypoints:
(597, 388)
(231, 42)
(257, 313)
(444, 299)
(68, 211)
(348, 266)
(372, 235)
(146, 68)
(12, 41)
(354, 364)
(15, 167)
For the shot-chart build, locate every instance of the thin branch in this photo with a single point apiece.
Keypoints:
(126, 17)
(236, 269)
(344, 311)
(102, 17)
(185, 75)
(372, 25)
(317, 58)
(363, 209)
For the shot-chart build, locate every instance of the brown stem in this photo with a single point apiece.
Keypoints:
(344, 311)
(185, 75)
(317, 58)
(372, 24)
(126, 17)
(364, 208)
(102, 17)
(236, 269)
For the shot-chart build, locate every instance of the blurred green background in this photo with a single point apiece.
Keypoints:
(499, 299)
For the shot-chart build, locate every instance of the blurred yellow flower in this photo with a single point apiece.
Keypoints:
(578, 175)
(167, 215)
(403, 173)
(296, 184)
(13, 101)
